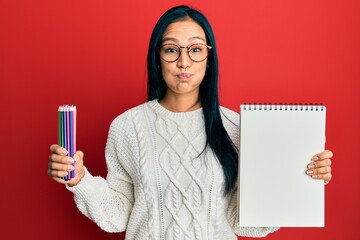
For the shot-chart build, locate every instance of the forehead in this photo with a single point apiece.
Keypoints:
(184, 30)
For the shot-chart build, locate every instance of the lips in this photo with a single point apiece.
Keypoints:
(184, 76)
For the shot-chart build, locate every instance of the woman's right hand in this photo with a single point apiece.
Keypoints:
(60, 165)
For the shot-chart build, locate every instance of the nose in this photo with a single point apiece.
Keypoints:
(184, 60)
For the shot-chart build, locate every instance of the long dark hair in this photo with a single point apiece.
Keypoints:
(217, 137)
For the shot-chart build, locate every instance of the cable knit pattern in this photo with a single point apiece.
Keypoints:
(184, 193)
(161, 182)
(143, 173)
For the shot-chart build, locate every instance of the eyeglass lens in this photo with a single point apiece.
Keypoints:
(171, 52)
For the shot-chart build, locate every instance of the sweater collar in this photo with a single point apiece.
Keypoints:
(155, 105)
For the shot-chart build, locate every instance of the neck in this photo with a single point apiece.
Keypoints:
(177, 103)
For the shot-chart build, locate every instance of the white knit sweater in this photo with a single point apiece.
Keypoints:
(160, 182)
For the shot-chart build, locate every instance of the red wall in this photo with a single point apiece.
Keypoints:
(93, 54)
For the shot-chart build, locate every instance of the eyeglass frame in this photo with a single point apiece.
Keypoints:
(188, 51)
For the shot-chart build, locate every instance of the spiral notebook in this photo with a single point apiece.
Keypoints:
(276, 144)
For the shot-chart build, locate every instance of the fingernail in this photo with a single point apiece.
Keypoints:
(64, 151)
(309, 172)
(314, 176)
(76, 158)
(315, 158)
(70, 167)
(311, 166)
(70, 160)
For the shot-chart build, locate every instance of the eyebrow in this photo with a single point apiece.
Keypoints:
(176, 40)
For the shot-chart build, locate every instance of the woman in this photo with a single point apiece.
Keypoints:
(172, 161)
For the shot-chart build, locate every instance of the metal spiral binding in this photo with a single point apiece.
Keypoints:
(283, 107)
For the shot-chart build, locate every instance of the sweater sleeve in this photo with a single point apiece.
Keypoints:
(231, 123)
(108, 202)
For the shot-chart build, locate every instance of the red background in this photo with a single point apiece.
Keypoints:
(93, 53)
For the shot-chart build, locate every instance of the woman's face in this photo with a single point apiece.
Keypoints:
(183, 76)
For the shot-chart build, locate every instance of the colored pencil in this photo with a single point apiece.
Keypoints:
(67, 132)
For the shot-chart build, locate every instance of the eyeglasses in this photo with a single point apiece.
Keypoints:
(197, 52)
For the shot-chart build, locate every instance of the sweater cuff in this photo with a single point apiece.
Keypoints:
(84, 188)
(255, 232)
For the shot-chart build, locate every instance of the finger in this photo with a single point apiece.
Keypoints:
(327, 181)
(323, 155)
(59, 150)
(326, 177)
(60, 167)
(319, 164)
(79, 162)
(59, 180)
(78, 155)
(79, 175)
(318, 171)
(60, 159)
(62, 180)
(57, 174)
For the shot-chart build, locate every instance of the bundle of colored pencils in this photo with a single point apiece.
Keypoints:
(67, 132)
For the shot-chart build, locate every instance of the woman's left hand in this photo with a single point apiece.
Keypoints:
(320, 167)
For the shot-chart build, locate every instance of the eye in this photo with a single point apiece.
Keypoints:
(170, 49)
(196, 49)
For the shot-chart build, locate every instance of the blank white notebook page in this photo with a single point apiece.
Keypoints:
(277, 143)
